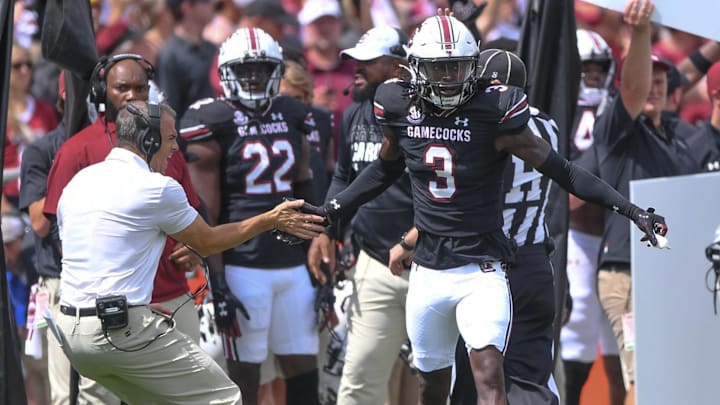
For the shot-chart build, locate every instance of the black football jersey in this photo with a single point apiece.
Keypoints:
(260, 162)
(455, 171)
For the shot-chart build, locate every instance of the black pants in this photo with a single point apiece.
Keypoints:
(529, 352)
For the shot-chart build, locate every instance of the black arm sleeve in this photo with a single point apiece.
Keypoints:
(344, 173)
(581, 183)
(372, 181)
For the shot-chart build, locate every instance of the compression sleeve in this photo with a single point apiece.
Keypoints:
(372, 181)
(581, 183)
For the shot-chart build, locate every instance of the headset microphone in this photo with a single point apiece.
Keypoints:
(346, 90)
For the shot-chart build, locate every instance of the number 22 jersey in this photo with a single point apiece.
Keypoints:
(259, 164)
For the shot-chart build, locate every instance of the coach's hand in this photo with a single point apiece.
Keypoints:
(183, 258)
(289, 218)
(226, 306)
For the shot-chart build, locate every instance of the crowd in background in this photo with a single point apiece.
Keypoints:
(181, 39)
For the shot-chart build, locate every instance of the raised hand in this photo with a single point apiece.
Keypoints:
(638, 12)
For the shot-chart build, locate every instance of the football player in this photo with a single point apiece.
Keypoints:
(252, 153)
(588, 325)
(455, 139)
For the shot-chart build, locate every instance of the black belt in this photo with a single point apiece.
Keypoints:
(72, 311)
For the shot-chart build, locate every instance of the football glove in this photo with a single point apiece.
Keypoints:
(651, 224)
(226, 305)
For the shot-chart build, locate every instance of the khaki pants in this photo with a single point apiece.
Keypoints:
(376, 330)
(90, 392)
(166, 369)
(614, 290)
(186, 318)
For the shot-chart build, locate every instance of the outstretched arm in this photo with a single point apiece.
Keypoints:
(371, 182)
(578, 181)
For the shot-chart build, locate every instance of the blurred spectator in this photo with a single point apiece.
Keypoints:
(25, 24)
(28, 119)
(36, 163)
(35, 372)
(160, 27)
(676, 83)
(183, 63)
(322, 28)
(608, 23)
(706, 140)
(675, 45)
(112, 31)
(413, 12)
(224, 23)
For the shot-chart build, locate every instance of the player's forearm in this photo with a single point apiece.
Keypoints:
(581, 183)
(371, 182)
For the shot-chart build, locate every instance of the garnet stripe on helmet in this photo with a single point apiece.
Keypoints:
(445, 28)
(253, 40)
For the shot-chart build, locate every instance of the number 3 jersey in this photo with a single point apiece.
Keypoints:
(260, 159)
(455, 171)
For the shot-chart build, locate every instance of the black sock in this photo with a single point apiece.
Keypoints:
(302, 389)
(576, 373)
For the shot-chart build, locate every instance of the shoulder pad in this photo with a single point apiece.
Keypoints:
(391, 102)
(205, 118)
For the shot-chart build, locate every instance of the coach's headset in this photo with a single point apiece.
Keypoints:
(149, 138)
(98, 78)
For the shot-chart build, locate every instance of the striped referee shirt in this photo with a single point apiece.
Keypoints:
(527, 189)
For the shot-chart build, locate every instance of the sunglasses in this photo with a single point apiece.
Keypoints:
(19, 65)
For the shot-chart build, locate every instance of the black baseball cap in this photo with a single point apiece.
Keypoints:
(271, 9)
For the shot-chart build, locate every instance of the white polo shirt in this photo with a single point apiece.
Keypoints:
(113, 219)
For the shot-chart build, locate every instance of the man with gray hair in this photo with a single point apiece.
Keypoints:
(114, 218)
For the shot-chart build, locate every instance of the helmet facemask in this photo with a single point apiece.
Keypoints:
(445, 82)
(252, 83)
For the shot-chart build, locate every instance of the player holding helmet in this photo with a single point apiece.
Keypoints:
(455, 139)
(253, 152)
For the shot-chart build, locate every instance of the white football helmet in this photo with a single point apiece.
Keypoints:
(443, 58)
(593, 48)
(251, 67)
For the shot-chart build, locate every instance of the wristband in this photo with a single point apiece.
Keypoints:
(404, 244)
(699, 61)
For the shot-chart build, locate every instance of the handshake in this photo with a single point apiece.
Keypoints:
(297, 221)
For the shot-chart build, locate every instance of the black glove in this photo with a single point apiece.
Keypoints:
(650, 223)
(325, 304)
(306, 208)
(226, 305)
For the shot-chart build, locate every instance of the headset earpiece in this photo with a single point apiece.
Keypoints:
(98, 78)
(149, 139)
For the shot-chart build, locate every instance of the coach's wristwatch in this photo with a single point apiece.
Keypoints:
(404, 244)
